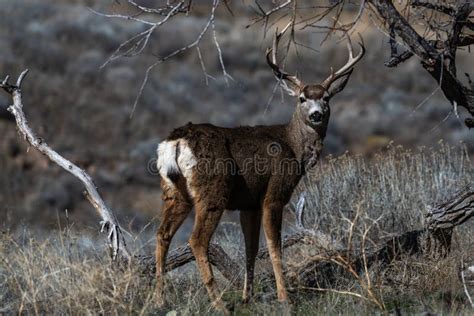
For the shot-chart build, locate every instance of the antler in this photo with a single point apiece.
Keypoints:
(347, 68)
(272, 60)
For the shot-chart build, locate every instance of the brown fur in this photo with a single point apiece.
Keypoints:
(252, 169)
(251, 181)
(314, 92)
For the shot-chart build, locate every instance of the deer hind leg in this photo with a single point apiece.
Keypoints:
(205, 224)
(272, 218)
(175, 210)
(250, 222)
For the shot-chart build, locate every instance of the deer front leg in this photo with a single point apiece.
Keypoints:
(272, 218)
(250, 221)
(204, 227)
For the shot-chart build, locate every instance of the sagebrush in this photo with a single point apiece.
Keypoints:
(67, 272)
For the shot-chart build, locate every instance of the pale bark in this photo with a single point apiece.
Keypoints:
(109, 223)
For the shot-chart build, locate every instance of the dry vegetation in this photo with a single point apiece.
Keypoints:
(68, 273)
(53, 263)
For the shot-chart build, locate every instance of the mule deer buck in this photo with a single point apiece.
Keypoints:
(251, 169)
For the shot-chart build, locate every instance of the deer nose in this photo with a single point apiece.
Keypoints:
(316, 117)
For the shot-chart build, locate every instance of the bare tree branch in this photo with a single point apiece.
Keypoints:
(109, 223)
(452, 212)
(395, 60)
(137, 43)
(441, 65)
(264, 15)
(178, 51)
(444, 8)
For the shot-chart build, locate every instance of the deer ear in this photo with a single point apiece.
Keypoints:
(339, 84)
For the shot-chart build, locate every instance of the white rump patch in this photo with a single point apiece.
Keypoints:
(166, 162)
(186, 159)
(169, 163)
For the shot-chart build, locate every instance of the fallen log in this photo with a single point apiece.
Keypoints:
(182, 255)
(433, 241)
(230, 268)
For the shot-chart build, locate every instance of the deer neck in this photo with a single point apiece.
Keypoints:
(305, 141)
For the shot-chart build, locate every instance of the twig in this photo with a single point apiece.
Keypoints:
(333, 291)
(160, 11)
(264, 15)
(142, 37)
(437, 7)
(195, 43)
(464, 284)
(216, 43)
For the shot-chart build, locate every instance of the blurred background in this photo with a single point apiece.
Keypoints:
(84, 111)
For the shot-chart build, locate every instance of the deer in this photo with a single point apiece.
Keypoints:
(250, 169)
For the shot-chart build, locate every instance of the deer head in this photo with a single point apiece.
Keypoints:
(313, 99)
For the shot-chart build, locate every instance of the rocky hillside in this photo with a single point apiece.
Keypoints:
(83, 110)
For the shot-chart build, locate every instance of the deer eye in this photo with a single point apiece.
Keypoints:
(302, 99)
(326, 98)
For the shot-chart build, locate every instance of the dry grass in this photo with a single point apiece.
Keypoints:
(397, 184)
(66, 273)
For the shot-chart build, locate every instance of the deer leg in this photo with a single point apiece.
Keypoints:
(272, 218)
(250, 221)
(174, 212)
(204, 227)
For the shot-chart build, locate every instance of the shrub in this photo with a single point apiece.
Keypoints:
(66, 273)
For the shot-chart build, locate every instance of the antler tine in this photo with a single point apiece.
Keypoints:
(351, 62)
(349, 44)
(276, 40)
(272, 60)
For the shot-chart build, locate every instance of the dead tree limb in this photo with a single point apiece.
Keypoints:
(109, 223)
(441, 65)
(453, 212)
(182, 255)
(228, 267)
(322, 270)
(434, 241)
(446, 9)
